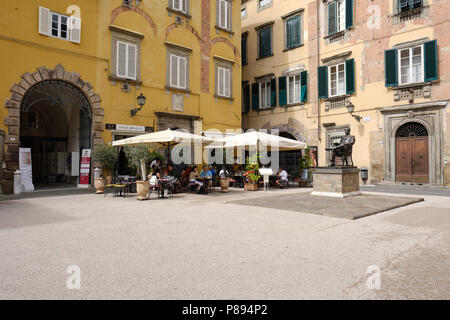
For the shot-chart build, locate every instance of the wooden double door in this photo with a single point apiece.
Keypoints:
(412, 159)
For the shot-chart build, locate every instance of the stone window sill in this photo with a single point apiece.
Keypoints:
(342, 96)
(130, 81)
(225, 30)
(222, 97)
(410, 85)
(292, 48)
(336, 34)
(181, 13)
(294, 104)
(177, 89)
(260, 58)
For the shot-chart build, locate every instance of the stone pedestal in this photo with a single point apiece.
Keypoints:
(338, 182)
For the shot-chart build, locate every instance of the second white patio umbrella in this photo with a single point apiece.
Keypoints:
(257, 139)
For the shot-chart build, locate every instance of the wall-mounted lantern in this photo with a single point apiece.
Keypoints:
(141, 102)
(351, 109)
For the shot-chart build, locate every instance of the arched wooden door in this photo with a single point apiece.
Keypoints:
(411, 153)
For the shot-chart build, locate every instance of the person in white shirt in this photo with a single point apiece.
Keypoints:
(282, 180)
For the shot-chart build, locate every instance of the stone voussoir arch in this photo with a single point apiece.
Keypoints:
(13, 105)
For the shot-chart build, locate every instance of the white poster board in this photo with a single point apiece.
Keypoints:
(75, 171)
(25, 168)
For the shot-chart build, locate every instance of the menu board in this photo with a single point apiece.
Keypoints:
(85, 168)
(26, 169)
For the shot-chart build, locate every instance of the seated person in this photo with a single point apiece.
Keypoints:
(193, 178)
(154, 175)
(206, 175)
(282, 179)
(224, 173)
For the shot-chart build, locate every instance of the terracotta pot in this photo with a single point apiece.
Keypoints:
(99, 185)
(142, 188)
(251, 186)
(108, 180)
(224, 184)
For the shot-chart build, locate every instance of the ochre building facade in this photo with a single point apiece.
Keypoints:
(381, 68)
(72, 72)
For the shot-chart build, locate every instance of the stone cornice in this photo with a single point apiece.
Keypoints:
(424, 105)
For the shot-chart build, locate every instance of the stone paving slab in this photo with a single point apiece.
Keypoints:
(348, 208)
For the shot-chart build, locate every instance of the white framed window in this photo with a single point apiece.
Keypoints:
(294, 89)
(224, 14)
(264, 95)
(223, 82)
(179, 5)
(178, 71)
(243, 13)
(336, 80)
(411, 65)
(336, 16)
(264, 3)
(59, 26)
(126, 60)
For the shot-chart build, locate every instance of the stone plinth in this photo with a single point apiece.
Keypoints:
(338, 182)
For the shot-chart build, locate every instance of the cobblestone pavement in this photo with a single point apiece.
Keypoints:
(205, 247)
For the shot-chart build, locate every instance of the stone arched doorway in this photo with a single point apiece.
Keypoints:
(412, 153)
(60, 100)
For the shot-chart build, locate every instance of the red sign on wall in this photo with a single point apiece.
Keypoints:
(85, 168)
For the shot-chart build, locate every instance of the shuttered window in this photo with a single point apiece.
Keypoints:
(336, 79)
(411, 65)
(178, 71)
(264, 95)
(223, 82)
(293, 32)
(350, 76)
(406, 5)
(265, 42)
(224, 14)
(126, 60)
(340, 16)
(273, 92)
(59, 26)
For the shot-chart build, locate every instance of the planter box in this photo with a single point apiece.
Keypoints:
(251, 186)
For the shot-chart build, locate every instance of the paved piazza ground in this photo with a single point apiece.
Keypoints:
(210, 247)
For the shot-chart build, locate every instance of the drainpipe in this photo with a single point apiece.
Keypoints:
(319, 128)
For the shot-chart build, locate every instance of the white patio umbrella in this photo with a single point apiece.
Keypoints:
(167, 138)
(257, 139)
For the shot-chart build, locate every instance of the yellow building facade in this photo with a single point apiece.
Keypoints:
(380, 68)
(72, 72)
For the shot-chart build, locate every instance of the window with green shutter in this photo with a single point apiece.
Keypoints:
(265, 42)
(244, 49)
(245, 97)
(282, 94)
(255, 96)
(293, 32)
(430, 60)
(348, 14)
(273, 92)
(390, 68)
(350, 76)
(304, 85)
(322, 81)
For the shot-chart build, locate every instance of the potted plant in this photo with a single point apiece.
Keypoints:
(139, 157)
(252, 173)
(107, 157)
(305, 163)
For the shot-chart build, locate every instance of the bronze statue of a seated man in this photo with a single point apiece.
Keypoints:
(344, 149)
